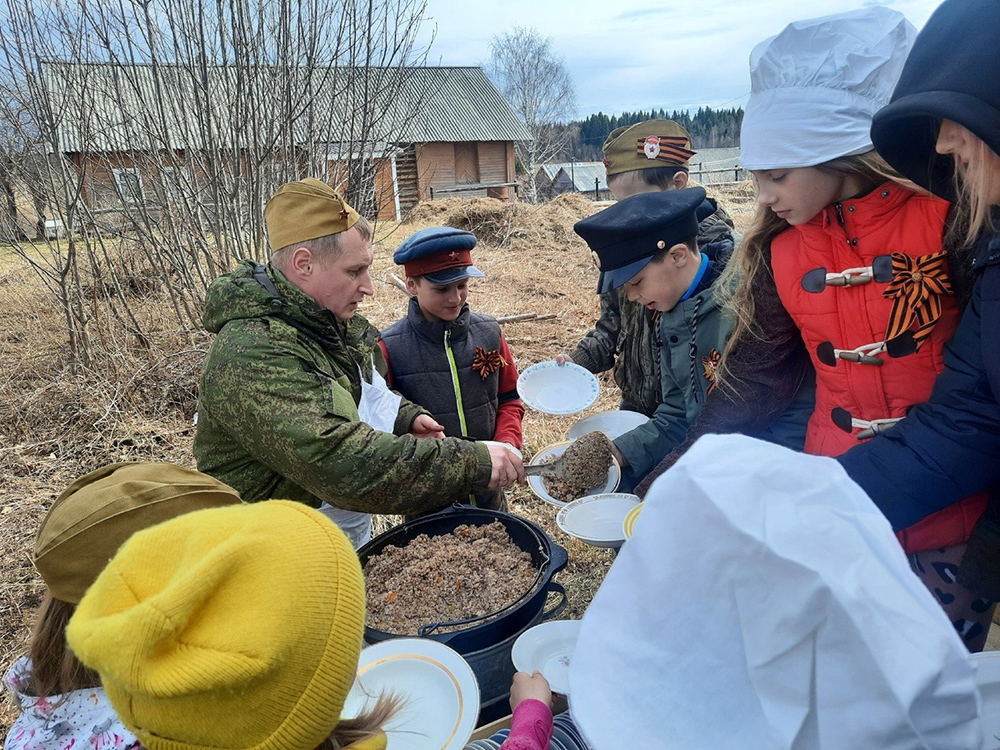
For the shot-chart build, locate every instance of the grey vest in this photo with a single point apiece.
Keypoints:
(421, 359)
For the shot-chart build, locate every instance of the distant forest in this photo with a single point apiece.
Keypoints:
(709, 128)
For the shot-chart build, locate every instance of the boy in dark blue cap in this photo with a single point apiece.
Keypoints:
(452, 361)
(647, 246)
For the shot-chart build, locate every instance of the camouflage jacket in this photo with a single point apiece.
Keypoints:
(277, 409)
(625, 336)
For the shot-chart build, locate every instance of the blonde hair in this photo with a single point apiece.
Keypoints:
(738, 282)
(55, 670)
(364, 725)
(326, 248)
(974, 185)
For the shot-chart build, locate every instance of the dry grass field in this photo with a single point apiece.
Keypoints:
(139, 405)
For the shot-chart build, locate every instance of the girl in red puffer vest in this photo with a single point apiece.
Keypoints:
(855, 257)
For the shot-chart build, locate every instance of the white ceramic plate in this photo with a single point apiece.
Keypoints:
(548, 647)
(598, 520)
(628, 525)
(438, 686)
(536, 485)
(614, 424)
(988, 679)
(557, 389)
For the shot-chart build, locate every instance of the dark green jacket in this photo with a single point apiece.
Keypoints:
(277, 410)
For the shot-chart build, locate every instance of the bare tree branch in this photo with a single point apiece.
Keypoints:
(535, 81)
(154, 131)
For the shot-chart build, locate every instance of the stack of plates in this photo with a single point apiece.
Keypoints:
(490, 743)
(565, 736)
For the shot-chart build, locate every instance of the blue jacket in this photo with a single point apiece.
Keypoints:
(949, 447)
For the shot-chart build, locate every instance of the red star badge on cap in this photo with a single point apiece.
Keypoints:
(453, 254)
(344, 214)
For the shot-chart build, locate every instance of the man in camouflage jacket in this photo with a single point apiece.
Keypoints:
(278, 406)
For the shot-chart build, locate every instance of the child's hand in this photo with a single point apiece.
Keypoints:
(530, 686)
(562, 358)
(424, 426)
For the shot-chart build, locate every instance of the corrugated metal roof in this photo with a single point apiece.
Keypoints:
(547, 172)
(715, 158)
(551, 170)
(118, 108)
(462, 104)
(583, 173)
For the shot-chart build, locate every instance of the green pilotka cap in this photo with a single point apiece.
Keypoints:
(647, 145)
(96, 514)
(306, 210)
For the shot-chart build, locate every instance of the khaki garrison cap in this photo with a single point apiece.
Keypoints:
(306, 210)
(99, 512)
(647, 145)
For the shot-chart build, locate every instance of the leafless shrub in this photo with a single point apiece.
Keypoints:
(139, 142)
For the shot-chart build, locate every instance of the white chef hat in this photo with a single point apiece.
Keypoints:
(816, 86)
(763, 602)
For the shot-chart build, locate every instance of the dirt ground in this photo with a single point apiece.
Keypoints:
(55, 426)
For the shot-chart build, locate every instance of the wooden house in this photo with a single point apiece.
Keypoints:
(436, 132)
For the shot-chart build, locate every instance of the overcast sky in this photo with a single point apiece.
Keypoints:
(626, 55)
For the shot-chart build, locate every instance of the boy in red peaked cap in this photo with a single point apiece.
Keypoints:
(452, 361)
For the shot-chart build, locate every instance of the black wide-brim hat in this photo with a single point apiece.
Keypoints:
(953, 73)
(625, 236)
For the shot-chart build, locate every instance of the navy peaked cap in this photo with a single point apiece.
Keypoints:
(624, 237)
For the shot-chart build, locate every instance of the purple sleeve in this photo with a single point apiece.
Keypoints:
(530, 727)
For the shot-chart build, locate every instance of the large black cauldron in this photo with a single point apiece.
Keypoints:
(547, 557)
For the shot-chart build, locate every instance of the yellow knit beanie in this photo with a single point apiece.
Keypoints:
(94, 516)
(234, 628)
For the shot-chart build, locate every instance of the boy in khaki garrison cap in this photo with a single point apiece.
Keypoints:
(665, 360)
(293, 402)
(647, 157)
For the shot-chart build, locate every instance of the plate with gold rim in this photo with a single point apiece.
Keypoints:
(439, 692)
(628, 525)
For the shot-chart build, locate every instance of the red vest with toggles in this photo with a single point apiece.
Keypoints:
(861, 377)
